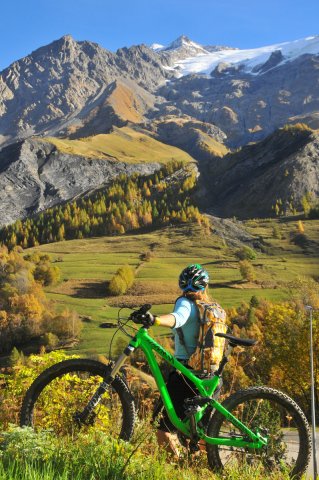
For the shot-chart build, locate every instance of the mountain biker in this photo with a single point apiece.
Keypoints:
(193, 281)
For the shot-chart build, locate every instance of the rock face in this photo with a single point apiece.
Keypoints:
(73, 88)
(35, 176)
(280, 169)
(203, 141)
(249, 107)
(57, 86)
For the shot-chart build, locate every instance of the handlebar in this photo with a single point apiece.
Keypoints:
(143, 316)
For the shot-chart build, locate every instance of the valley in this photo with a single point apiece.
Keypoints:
(88, 264)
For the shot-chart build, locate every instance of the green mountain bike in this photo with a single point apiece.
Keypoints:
(257, 425)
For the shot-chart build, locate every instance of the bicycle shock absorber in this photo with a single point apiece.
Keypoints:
(87, 414)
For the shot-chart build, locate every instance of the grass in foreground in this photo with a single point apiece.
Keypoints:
(25, 455)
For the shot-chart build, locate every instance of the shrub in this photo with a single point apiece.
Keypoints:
(127, 274)
(146, 256)
(314, 212)
(65, 325)
(50, 340)
(247, 270)
(276, 232)
(121, 281)
(117, 286)
(246, 253)
(16, 357)
(14, 386)
(254, 301)
(47, 274)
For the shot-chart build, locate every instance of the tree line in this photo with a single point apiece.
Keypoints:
(128, 204)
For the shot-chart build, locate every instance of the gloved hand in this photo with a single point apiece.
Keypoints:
(144, 317)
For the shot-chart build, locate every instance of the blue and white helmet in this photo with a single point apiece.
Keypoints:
(193, 278)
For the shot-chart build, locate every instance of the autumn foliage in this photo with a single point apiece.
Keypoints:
(25, 313)
(281, 357)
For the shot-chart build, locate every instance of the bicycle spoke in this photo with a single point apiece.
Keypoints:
(276, 417)
(66, 396)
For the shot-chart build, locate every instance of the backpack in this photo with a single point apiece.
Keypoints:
(210, 349)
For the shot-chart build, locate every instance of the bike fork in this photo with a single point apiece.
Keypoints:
(87, 412)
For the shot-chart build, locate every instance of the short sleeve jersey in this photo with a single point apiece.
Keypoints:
(187, 317)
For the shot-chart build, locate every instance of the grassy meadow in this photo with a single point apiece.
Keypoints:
(124, 145)
(88, 264)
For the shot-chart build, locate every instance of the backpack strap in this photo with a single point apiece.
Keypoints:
(181, 337)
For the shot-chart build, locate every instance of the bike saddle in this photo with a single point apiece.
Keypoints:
(235, 341)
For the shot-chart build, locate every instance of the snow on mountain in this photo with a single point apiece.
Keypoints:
(249, 60)
(157, 46)
(185, 42)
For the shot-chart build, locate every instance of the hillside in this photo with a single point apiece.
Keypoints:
(129, 203)
(122, 145)
(265, 179)
(88, 264)
(201, 140)
(39, 173)
(73, 116)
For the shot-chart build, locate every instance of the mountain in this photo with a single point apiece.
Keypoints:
(250, 60)
(77, 88)
(182, 49)
(59, 86)
(38, 173)
(278, 170)
(249, 99)
(74, 115)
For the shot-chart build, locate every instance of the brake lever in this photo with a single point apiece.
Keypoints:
(141, 311)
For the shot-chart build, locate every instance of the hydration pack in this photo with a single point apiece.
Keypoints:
(210, 349)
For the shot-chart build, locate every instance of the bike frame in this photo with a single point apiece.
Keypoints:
(206, 388)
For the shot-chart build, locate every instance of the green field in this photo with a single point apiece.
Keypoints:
(88, 264)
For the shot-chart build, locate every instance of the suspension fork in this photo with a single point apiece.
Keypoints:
(82, 417)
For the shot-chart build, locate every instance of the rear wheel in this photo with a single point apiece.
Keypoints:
(266, 410)
(57, 397)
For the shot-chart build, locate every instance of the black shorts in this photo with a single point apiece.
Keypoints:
(179, 388)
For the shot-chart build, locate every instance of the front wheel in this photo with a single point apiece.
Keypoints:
(266, 410)
(57, 397)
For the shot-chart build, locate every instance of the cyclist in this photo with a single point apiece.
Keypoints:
(193, 282)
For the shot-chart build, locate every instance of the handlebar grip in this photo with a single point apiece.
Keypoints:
(145, 308)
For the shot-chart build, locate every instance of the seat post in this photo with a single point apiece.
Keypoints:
(224, 360)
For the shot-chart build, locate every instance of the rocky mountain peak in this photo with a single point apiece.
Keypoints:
(181, 41)
(180, 49)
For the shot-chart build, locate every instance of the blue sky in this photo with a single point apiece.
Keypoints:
(28, 24)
